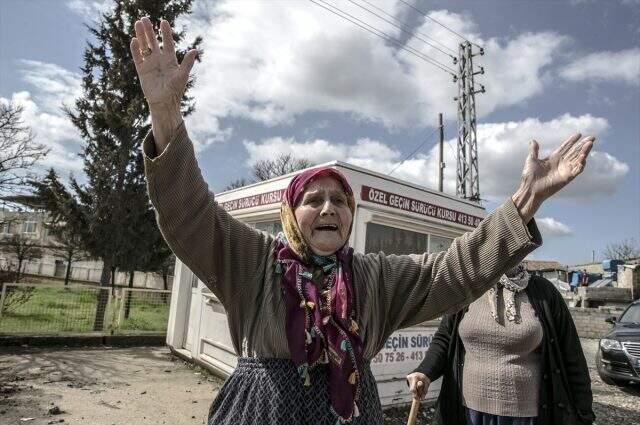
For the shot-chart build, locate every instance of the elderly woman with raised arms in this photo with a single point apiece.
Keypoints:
(306, 313)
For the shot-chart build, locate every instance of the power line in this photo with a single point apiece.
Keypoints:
(415, 150)
(402, 27)
(418, 32)
(437, 22)
(384, 36)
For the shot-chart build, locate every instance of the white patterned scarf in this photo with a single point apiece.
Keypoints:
(510, 284)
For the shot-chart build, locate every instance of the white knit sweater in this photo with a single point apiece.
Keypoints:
(501, 373)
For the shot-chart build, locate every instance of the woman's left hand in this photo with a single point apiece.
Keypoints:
(418, 385)
(542, 178)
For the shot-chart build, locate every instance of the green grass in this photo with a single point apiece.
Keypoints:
(60, 310)
(148, 313)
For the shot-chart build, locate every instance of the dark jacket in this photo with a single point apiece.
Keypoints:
(565, 388)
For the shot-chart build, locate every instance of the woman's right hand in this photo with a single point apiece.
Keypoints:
(163, 80)
(418, 385)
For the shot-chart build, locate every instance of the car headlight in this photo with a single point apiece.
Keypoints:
(610, 344)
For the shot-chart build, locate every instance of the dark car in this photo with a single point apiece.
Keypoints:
(618, 358)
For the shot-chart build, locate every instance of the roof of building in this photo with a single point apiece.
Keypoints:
(30, 201)
(534, 265)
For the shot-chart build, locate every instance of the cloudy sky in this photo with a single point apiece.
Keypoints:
(285, 76)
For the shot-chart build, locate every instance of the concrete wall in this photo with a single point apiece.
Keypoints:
(589, 267)
(629, 277)
(89, 271)
(590, 321)
(604, 297)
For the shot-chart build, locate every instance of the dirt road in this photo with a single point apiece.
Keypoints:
(126, 386)
(102, 386)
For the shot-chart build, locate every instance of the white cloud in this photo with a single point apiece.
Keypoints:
(205, 129)
(514, 68)
(365, 152)
(271, 64)
(55, 131)
(550, 227)
(52, 87)
(89, 9)
(516, 71)
(622, 66)
(502, 149)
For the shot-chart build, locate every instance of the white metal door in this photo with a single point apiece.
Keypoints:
(193, 311)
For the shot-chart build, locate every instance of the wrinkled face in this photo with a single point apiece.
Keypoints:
(323, 216)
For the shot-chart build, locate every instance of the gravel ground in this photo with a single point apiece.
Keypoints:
(122, 386)
(102, 386)
(611, 404)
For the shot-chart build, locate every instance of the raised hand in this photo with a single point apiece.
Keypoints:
(163, 80)
(542, 178)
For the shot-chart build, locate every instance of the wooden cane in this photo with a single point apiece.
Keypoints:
(415, 406)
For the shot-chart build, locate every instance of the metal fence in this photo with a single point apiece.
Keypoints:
(28, 308)
(143, 310)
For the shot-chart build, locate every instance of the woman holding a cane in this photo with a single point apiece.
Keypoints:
(513, 357)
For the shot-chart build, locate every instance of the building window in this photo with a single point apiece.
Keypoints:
(391, 240)
(14, 227)
(4, 227)
(439, 243)
(29, 227)
(272, 227)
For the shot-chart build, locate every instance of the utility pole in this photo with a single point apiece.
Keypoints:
(441, 160)
(468, 179)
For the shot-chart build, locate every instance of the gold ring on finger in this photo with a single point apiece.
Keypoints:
(146, 51)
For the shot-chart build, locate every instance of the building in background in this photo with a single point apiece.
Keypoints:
(548, 269)
(19, 215)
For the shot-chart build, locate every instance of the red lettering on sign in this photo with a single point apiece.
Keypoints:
(266, 198)
(404, 203)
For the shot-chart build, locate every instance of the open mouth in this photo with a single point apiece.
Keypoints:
(327, 227)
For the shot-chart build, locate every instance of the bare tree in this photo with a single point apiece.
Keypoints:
(242, 182)
(23, 249)
(284, 164)
(18, 150)
(269, 168)
(14, 296)
(624, 250)
(68, 245)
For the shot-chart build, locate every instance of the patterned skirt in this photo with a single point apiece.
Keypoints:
(270, 392)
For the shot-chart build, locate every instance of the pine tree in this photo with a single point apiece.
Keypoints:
(67, 219)
(113, 119)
